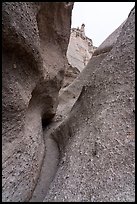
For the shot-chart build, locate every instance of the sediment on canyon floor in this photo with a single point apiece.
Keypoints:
(73, 141)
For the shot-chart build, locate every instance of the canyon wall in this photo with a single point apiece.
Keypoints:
(34, 46)
(80, 48)
(71, 144)
(96, 139)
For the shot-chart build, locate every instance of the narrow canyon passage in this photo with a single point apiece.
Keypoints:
(67, 131)
(48, 170)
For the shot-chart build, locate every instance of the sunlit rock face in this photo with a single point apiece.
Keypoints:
(80, 48)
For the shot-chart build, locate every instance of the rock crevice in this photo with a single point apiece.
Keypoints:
(74, 143)
(32, 73)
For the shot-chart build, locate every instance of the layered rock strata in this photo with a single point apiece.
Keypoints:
(80, 48)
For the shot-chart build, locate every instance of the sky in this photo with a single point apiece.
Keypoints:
(100, 18)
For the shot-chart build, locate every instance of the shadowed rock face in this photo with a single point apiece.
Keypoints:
(96, 140)
(70, 75)
(34, 47)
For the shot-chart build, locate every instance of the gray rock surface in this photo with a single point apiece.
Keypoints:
(69, 95)
(107, 45)
(80, 48)
(96, 138)
(78, 146)
(71, 73)
(34, 50)
(79, 52)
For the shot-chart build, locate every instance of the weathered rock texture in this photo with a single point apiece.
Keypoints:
(96, 138)
(80, 48)
(35, 38)
(69, 95)
(71, 73)
(87, 152)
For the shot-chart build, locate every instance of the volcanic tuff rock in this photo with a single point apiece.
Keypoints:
(34, 47)
(71, 73)
(96, 137)
(72, 92)
(86, 151)
(80, 48)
